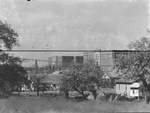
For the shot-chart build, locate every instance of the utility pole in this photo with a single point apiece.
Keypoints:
(38, 80)
(100, 57)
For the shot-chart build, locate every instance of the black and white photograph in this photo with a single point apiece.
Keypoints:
(74, 56)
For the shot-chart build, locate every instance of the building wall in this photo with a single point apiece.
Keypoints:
(134, 92)
(67, 61)
(79, 59)
(59, 62)
(122, 88)
(50, 61)
(104, 59)
(64, 61)
(87, 56)
(53, 61)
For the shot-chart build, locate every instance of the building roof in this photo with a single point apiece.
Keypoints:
(105, 76)
(135, 85)
(125, 81)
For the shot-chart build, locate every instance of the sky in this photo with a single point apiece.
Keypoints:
(75, 24)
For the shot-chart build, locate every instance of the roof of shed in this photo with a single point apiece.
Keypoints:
(135, 85)
(125, 81)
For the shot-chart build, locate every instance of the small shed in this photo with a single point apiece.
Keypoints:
(130, 88)
(123, 86)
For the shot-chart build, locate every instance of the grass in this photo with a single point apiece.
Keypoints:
(61, 105)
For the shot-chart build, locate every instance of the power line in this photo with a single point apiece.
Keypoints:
(118, 51)
(35, 60)
(49, 50)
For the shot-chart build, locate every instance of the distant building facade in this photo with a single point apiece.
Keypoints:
(106, 58)
(62, 62)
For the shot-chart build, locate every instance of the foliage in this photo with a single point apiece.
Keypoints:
(8, 36)
(11, 71)
(136, 63)
(82, 77)
(143, 44)
(37, 82)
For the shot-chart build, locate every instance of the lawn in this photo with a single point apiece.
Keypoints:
(61, 105)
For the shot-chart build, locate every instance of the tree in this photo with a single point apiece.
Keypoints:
(136, 64)
(11, 71)
(8, 36)
(37, 78)
(81, 78)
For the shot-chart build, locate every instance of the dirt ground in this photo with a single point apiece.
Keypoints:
(61, 105)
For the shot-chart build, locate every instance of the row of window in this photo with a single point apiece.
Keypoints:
(133, 91)
(106, 62)
(106, 68)
(125, 87)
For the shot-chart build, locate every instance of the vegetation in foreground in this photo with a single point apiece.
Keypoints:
(81, 78)
(62, 105)
(136, 65)
(11, 71)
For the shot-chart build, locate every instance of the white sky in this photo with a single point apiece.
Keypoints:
(75, 24)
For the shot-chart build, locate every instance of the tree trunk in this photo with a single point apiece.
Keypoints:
(19, 88)
(94, 92)
(3, 88)
(84, 95)
(38, 87)
(147, 90)
(3, 93)
(147, 96)
(110, 99)
(66, 93)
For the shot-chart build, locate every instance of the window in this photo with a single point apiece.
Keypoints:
(96, 56)
(126, 86)
(96, 62)
(109, 69)
(110, 56)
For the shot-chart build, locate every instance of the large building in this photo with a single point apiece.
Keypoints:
(105, 58)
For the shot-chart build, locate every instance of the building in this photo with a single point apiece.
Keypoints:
(129, 88)
(105, 58)
(89, 55)
(123, 86)
(62, 62)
